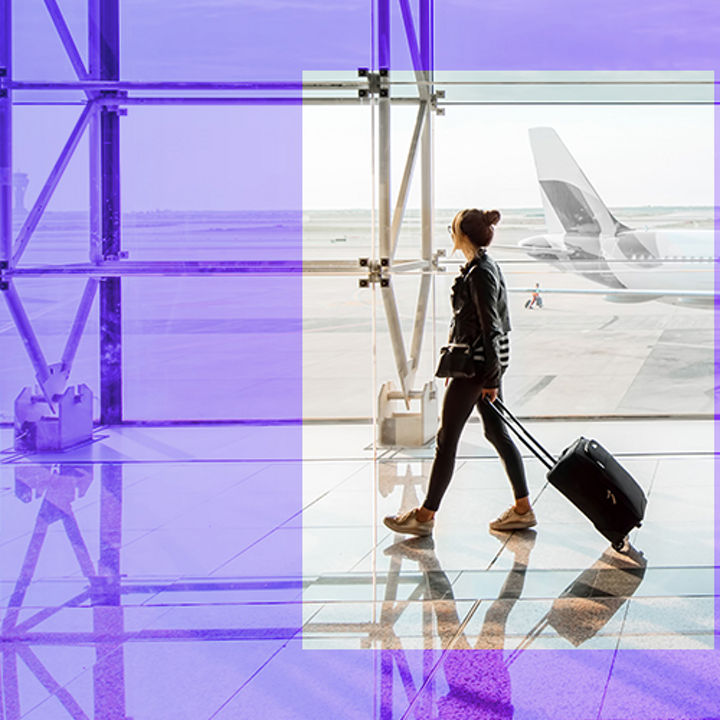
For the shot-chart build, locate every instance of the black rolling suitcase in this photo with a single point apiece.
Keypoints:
(591, 478)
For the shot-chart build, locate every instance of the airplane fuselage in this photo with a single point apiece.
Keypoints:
(659, 261)
(586, 238)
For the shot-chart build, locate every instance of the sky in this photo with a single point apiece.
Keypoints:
(633, 155)
(231, 158)
(196, 158)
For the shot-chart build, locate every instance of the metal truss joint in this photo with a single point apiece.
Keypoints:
(438, 95)
(114, 257)
(377, 83)
(435, 261)
(4, 280)
(376, 272)
(111, 101)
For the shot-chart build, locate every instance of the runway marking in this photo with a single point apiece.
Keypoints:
(536, 388)
(614, 318)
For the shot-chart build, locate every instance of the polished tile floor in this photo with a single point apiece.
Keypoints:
(236, 572)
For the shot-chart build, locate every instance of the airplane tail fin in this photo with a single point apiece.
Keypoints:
(572, 205)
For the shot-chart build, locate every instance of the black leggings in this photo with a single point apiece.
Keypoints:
(462, 394)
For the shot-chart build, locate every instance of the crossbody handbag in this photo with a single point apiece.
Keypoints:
(456, 360)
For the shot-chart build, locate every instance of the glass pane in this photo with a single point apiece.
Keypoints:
(213, 348)
(51, 305)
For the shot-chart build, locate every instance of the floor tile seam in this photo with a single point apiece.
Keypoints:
(305, 623)
(195, 461)
(129, 636)
(90, 504)
(333, 459)
(144, 534)
(76, 600)
(245, 549)
(229, 578)
(441, 659)
(524, 600)
(92, 667)
(326, 493)
(654, 476)
(351, 476)
(157, 473)
(140, 635)
(163, 579)
(374, 549)
(206, 500)
(298, 600)
(629, 455)
(668, 633)
(322, 578)
(653, 479)
(575, 568)
(51, 694)
(612, 662)
(240, 431)
(137, 539)
(249, 679)
(377, 581)
(78, 675)
(149, 438)
(318, 459)
(254, 543)
(391, 453)
(336, 461)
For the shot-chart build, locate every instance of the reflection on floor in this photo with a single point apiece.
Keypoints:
(210, 572)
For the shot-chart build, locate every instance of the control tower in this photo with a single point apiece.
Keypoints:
(20, 183)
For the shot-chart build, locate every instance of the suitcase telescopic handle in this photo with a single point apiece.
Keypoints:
(523, 435)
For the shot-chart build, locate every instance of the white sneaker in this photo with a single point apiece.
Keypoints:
(511, 520)
(408, 523)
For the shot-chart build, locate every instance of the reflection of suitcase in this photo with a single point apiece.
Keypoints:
(588, 604)
(591, 478)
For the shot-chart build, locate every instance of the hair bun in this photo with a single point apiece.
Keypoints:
(491, 217)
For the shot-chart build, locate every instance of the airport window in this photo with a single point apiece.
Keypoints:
(231, 260)
(493, 167)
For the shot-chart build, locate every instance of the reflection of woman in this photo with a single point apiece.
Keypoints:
(478, 682)
(480, 318)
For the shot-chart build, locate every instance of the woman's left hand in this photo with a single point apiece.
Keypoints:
(489, 394)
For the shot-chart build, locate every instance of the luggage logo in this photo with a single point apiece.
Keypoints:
(610, 496)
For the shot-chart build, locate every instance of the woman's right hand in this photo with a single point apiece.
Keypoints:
(489, 394)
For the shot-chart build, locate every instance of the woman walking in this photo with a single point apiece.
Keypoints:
(480, 319)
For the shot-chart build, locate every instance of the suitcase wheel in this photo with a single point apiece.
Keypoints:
(622, 546)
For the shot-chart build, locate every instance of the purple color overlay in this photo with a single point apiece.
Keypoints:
(565, 35)
(279, 41)
(717, 370)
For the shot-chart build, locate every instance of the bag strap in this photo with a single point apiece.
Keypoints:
(522, 434)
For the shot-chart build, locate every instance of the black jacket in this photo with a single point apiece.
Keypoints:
(480, 313)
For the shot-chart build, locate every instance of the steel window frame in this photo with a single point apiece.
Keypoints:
(106, 95)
